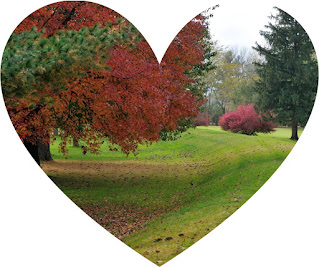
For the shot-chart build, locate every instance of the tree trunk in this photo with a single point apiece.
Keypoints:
(294, 127)
(223, 109)
(75, 143)
(44, 152)
(33, 150)
(209, 104)
(55, 131)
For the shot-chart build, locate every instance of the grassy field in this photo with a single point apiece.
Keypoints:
(173, 193)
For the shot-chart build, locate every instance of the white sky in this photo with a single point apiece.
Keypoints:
(237, 24)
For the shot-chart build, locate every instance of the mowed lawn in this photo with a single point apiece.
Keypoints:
(173, 193)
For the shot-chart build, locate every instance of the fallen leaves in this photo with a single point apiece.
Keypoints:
(120, 220)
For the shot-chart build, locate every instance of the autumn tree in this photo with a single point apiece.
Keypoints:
(203, 119)
(245, 59)
(96, 81)
(69, 15)
(289, 72)
(223, 80)
(193, 45)
(49, 20)
(35, 69)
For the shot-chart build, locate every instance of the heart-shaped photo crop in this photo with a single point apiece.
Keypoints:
(158, 154)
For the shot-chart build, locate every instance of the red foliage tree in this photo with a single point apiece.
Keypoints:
(68, 15)
(203, 119)
(129, 99)
(245, 120)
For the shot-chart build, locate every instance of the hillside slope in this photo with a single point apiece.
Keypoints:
(173, 193)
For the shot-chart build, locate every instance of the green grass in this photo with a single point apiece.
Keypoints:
(179, 190)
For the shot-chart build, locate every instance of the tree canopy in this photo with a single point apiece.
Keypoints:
(83, 68)
(229, 84)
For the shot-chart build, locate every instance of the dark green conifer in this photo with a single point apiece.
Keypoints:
(288, 73)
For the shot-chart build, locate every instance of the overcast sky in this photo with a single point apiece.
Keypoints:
(235, 24)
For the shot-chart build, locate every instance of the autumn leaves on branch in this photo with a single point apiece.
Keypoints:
(84, 69)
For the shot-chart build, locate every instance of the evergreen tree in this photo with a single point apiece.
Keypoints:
(35, 68)
(289, 72)
(98, 82)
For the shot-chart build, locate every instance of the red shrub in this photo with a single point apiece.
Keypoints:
(203, 119)
(245, 120)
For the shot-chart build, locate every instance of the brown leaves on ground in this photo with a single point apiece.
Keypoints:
(120, 220)
(118, 169)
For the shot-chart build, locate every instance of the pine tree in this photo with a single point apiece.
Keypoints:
(97, 82)
(289, 72)
(34, 68)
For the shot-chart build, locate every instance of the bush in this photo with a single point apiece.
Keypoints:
(245, 120)
(203, 119)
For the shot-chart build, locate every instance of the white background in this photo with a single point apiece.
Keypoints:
(277, 227)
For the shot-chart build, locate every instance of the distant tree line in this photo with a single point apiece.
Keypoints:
(280, 79)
